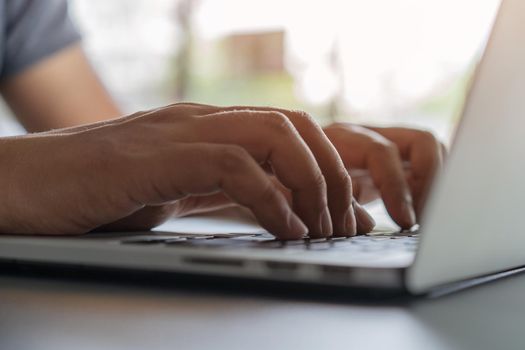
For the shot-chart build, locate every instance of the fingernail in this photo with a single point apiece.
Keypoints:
(297, 227)
(350, 222)
(326, 223)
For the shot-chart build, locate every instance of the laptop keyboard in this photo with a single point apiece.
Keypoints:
(406, 241)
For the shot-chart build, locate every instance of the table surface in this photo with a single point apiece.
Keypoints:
(58, 313)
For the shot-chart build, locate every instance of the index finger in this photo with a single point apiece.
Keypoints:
(270, 137)
(381, 159)
(338, 182)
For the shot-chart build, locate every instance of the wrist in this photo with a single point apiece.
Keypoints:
(15, 155)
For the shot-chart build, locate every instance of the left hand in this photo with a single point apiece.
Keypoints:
(399, 166)
(396, 164)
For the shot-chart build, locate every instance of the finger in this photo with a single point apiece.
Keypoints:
(192, 169)
(386, 170)
(271, 138)
(381, 158)
(425, 154)
(338, 182)
(365, 190)
(365, 222)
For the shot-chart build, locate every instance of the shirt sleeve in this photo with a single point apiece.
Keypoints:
(34, 30)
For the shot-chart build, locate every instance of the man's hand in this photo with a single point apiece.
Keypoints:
(400, 163)
(132, 172)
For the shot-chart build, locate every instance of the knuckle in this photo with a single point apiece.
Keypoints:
(303, 117)
(349, 127)
(279, 123)
(172, 113)
(341, 131)
(305, 120)
(342, 126)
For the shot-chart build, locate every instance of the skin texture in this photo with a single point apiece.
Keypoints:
(135, 172)
(60, 91)
(139, 165)
(401, 164)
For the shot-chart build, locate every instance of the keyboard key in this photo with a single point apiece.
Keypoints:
(150, 240)
(211, 243)
(368, 245)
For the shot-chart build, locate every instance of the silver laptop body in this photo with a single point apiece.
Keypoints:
(472, 227)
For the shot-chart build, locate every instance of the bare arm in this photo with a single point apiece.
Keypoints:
(59, 91)
(53, 183)
(63, 91)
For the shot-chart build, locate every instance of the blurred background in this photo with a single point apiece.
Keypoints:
(405, 62)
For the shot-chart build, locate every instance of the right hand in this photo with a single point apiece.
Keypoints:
(130, 173)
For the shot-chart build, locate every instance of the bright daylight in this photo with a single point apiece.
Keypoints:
(373, 61)
(262, 174)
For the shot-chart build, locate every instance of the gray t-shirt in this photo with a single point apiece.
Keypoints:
(31, 30)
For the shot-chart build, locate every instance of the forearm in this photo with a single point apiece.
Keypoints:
(33, 169)
(54, 184)
(61, 91)
(11, 156)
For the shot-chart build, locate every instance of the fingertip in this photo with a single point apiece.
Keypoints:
(400, 207)
(408, 216)
(350, 224)
(326, 223)
(296, 228)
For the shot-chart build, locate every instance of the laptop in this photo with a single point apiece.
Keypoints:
(472, 228)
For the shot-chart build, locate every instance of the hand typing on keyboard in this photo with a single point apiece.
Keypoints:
(134, 172)
(397, 165)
